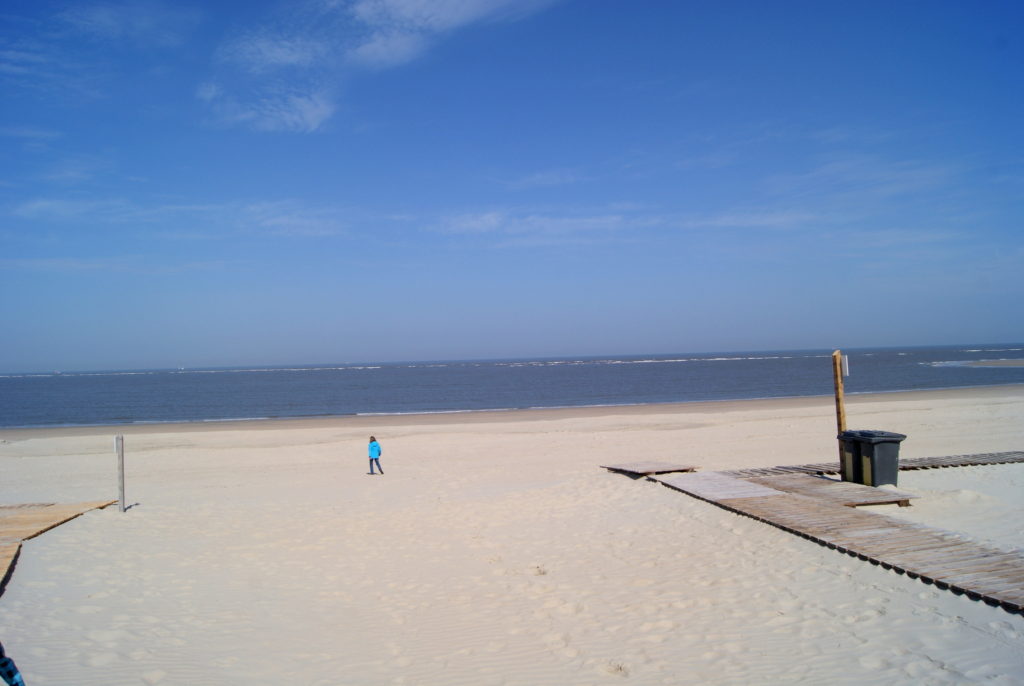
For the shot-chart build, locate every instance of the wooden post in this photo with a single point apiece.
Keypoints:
(119, 442)
(837, 375)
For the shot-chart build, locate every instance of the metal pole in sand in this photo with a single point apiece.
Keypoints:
(837, 374)
(119, 442)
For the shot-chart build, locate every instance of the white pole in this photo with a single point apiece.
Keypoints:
(119, 442)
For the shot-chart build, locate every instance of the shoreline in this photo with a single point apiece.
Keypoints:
(487, 416)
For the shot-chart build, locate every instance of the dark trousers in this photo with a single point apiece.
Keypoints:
(375, 460)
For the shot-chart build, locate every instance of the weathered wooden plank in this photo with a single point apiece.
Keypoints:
(958, 559)
(715, 486)
(23, 522)
(846, 493)
(967, 554)
(1005, 574)
(649, 467)
(909, 550)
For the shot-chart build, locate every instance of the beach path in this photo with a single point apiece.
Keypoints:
(825, 511)
(21, 522)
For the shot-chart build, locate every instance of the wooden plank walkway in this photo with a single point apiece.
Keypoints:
(904, 464)
(981, 572)
(22, 522)
(839, 492)
(649, 467)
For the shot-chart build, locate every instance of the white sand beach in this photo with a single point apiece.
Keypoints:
(494, 551)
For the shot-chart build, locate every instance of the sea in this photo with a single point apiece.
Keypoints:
(91, 398)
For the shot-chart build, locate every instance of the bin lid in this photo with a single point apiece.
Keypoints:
(871, 436)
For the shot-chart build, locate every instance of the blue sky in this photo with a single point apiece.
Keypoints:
(238, 183)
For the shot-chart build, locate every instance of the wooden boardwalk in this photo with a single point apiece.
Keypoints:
(21, 522)
(826, 511)
(905, 463)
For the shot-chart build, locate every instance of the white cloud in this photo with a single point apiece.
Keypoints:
(389, 49)
(314, 46)
(145, 23)
(283, 217)
(35, 65)
(864, 177)
(288, 219)
(543, 179)
(59, 209)
(301, 113)
(295, 112)
(891, 238)
(264, 52)
(130, 264)
(48, 54)
(400, 30)
(68, 264)
(28, 133)
(429, 15)
(22, 61)
(76, 170)
(511, 228)
(209, 91)
(483, 222)
(756, 219)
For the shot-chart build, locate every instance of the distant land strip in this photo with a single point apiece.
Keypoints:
(996, 363)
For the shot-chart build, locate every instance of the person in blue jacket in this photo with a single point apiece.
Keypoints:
(375, 453)
(8, 671)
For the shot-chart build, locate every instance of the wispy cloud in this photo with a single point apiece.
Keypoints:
(69, 264)
(288, 219)
(22, 59)
(221, 220)
(131, 264)
(763, 219)
(77, 170)
(29, 133)
(718, 159)
(863, 176)
(142, 23)
(62, 209)
(56, 53)
(284, 74)
(261, 52)
(901, 238)
(36, 64)
(276, 108)
(545, 179)
(512, 228)
(399, 30)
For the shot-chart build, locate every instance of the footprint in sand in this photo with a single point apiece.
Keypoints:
(101, 659)
(107, 638)
(154, 677)
(614, 668)
(570, 608)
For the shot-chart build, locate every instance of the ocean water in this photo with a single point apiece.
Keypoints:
(192, 395)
